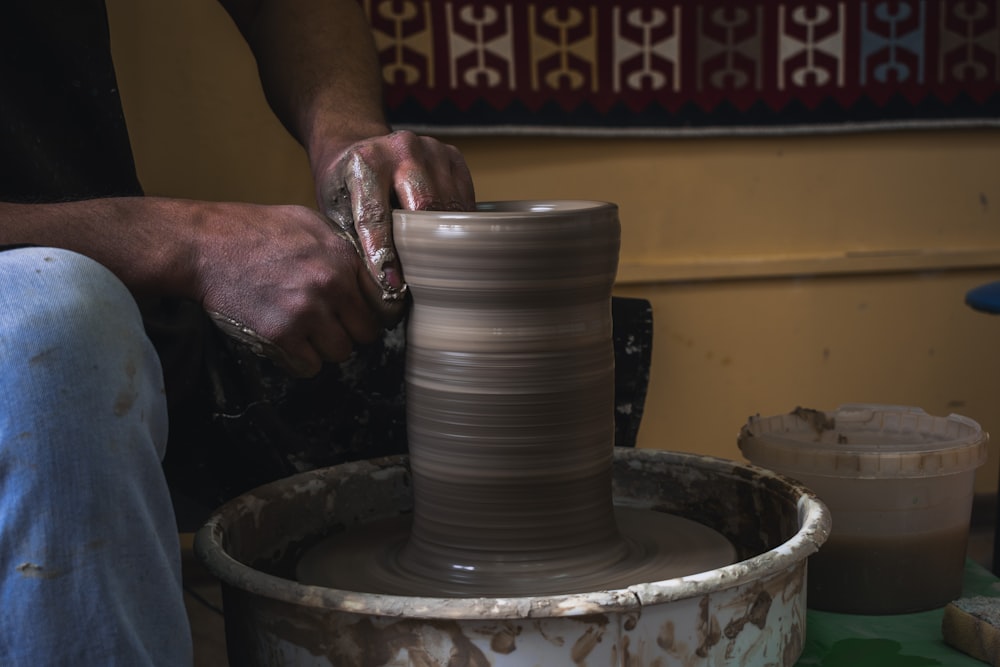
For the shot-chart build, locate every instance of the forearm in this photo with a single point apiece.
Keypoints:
(280, 271)
(320, 70)
(140, 239)
(318, 67)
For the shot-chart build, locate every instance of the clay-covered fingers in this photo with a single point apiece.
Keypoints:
(341, 323)
(302, 339)
(281, 280)
(432, 176)
(378, 174)
(334, 317)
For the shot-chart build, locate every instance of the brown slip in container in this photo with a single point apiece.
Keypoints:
(899, 484)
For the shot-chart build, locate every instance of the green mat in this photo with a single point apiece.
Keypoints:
(905, 640)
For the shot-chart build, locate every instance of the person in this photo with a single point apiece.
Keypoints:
(109, 298)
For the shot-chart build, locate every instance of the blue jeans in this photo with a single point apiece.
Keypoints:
(89, 554)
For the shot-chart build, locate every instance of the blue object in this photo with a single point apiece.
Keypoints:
(985, 298)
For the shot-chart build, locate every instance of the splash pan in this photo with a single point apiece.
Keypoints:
(752, 612)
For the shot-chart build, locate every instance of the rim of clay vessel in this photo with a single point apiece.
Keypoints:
(514, 208)
(814, 523)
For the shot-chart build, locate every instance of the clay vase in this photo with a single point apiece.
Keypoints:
(510, 395)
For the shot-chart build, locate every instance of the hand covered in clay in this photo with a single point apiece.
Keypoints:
(359, 189)
(284, 281)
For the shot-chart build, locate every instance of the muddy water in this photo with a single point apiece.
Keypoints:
(888, 574)
(510, 399)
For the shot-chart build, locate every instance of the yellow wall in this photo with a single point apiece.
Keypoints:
(795, 271)
(806, 271)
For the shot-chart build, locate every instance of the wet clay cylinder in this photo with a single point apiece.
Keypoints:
(510, 393)
(510, 420)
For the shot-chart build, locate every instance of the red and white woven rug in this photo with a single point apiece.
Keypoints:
(678, 67)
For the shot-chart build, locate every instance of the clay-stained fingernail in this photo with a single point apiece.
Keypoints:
(386, 270)
(394, 295)
(392, 278)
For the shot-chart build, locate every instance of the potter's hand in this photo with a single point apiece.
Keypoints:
(282, 280)
(359, 189)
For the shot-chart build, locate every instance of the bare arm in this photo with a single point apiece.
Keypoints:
(125, 234)
(318, 65)
(279, 270)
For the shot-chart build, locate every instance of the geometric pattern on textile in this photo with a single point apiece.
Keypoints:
(687, 66)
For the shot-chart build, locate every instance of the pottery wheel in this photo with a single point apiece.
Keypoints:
(510, 419)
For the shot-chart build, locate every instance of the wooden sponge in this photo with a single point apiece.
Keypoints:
(972, 625)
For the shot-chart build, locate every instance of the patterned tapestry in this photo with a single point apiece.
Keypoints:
(675, 67)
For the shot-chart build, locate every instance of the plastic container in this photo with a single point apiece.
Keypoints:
(899, 485)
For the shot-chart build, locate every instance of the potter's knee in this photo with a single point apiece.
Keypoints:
(66, 319)
(54, 293)
(74, 345)
(58, 277)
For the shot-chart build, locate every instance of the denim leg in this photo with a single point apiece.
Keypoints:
(89, 553)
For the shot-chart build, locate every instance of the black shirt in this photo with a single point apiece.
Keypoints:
(62, 131)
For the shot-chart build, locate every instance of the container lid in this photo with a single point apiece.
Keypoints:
(864, 440)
